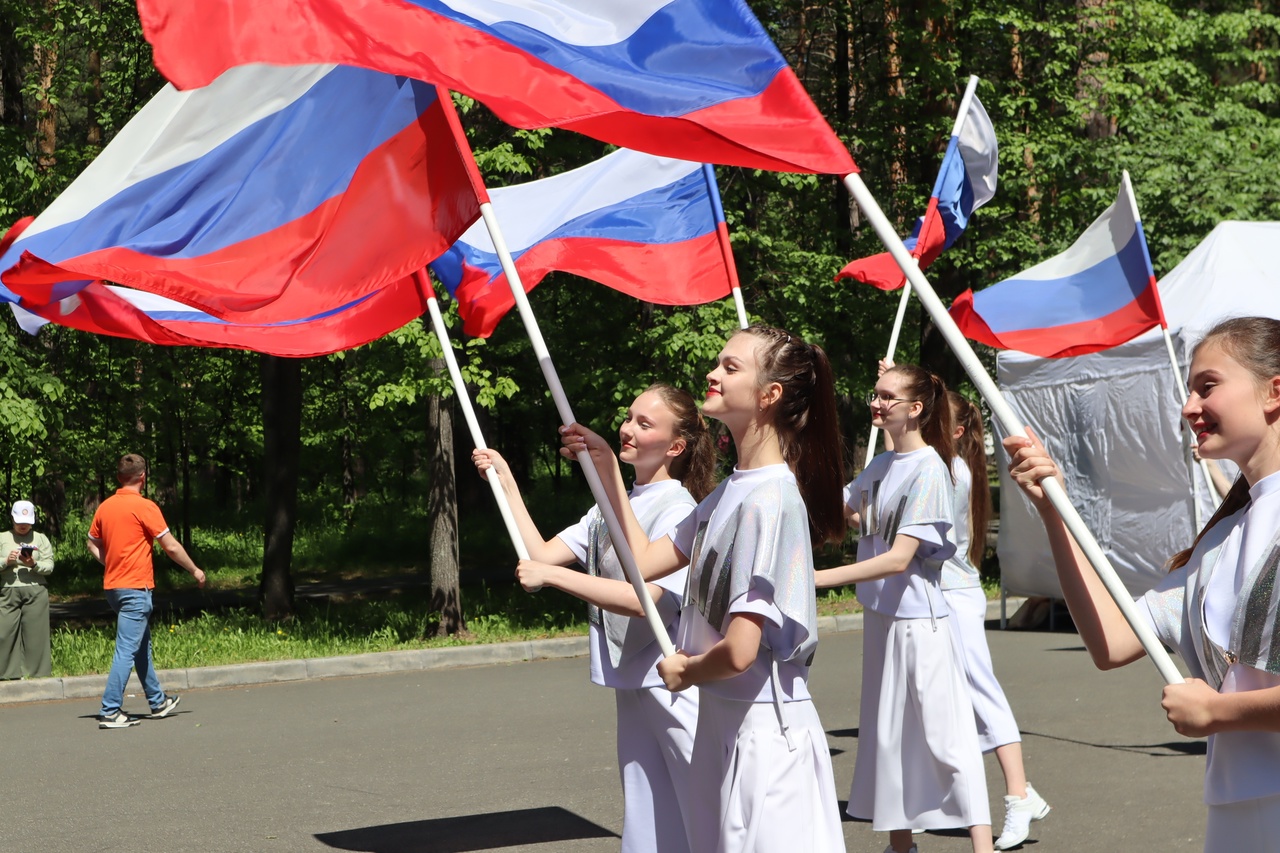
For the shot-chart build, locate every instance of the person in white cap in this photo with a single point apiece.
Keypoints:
(27, 562)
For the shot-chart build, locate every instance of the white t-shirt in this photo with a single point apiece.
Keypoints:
(697, 635)
(922, 478)
(1241, 766)
(639, 670)
(957, 571)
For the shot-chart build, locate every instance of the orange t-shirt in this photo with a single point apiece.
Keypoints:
(126, 524)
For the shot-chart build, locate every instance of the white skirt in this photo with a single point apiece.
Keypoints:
(1252, 825)
(918, 764)
(996, 725)
(655, 742)
(752, 793)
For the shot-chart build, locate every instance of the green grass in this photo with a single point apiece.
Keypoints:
(350, 626)
(405, 621)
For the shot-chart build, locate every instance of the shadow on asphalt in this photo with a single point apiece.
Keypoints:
(1172, 749)
(466, 833)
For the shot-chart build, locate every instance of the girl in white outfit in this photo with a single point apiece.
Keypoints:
(962, 589)
(761, 778)
(1218, 606)
(918, 765)
(668, 443)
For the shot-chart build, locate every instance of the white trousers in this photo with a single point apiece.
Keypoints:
(918, 764)
(655, 742)
(753, 793)
(1253, 825)
(996, 725)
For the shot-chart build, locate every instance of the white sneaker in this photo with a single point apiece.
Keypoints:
(1018, 814)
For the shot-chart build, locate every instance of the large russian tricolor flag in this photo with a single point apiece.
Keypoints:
(1097, 294)
(694, 79)
(966, 181)
(647, 226)
(274, 195)
(123, 312)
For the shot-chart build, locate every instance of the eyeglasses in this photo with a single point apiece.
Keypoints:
(885, 402)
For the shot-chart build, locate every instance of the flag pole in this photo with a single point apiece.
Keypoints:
(726, 248)
(1012, 425)
(1178, 380)
(469, 412)
(616, 533)
(961, 115)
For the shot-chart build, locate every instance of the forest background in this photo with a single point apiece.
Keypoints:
(271, 469)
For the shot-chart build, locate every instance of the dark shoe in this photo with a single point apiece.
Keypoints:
(166, 707)
(118, 720)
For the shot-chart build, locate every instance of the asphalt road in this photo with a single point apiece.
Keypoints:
(520, 757)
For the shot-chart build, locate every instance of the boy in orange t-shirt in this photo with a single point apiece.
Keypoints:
(120, 538)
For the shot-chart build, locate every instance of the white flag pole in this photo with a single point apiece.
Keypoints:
(890, 352)
(961, 115)
(473, 425)
(1178, 380)
(1012, 425)
(726, 248)
(616, 533)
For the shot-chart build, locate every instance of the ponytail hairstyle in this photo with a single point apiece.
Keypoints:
(1255, 343)
(807, 425)
(971, 448)
(930, 392)
(695, 467)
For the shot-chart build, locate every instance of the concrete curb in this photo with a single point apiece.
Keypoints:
(413, 660)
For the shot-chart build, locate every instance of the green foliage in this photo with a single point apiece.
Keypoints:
(1182, 94)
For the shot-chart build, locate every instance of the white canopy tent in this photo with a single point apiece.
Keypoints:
(1111, 419)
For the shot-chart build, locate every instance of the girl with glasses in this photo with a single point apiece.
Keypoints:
(760, 776)
(1217, 608)
(919, 765)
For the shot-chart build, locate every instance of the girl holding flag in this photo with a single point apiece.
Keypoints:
(760, 778)
(962, 589)
(1217, 608)
(919, 764)
(668, 443)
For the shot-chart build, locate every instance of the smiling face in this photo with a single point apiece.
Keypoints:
(891, 407)
(1230, 410)
(732, 391)
(647, 436)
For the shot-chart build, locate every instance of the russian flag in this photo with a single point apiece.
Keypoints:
(274, 195)
(648, 226)
(966, 181)
(123, 312)
(1097, 294)
(694, 79)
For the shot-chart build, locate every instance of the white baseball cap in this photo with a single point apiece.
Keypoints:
(24, 512)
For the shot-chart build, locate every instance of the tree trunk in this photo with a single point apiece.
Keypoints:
(1017, 66)
(281, 440)
(897, 92)
(46, 62)
(1089, 89)
(442, 513)
(93, 135)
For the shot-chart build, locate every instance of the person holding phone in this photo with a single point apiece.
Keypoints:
(24, 597)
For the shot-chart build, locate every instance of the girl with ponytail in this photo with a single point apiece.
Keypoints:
(671, 449)
(1217, 609)
(915, 708)
(760, 776)
(962, 589)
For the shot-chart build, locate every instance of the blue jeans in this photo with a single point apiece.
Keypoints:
(133, 649)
